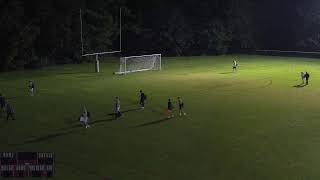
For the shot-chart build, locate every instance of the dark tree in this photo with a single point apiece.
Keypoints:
(38, 33)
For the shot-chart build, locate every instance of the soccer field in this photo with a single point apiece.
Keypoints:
(255, 124)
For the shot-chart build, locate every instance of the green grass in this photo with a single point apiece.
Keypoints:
(249, 125)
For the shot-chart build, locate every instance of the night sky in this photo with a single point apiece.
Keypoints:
(279, 23)
(276, 21)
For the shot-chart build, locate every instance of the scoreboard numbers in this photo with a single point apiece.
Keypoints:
(26, 164)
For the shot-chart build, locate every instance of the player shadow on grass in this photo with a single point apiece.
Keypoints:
(63, 132)
(77, 124)
(152, 123)
(44, 138)
(230, 72)
(15, 97)
(125, 111)
(300, 85)
(66, 130)
(48, 137)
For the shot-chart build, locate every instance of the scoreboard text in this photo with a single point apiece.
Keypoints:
(26, 164)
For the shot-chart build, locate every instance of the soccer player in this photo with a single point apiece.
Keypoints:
(235, 65)
(82, 118)
(85, 117)
(117, 106)
(84, 110)
(302, 77)
(170, 109)
(143, 98)
(181, 106)
(88, 119)
(307, 76)
(31, 88)
(2, 102)
(10, 112)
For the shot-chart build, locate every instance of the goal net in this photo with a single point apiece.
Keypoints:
(139, 63)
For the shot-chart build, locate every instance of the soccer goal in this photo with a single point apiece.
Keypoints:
(139, 63)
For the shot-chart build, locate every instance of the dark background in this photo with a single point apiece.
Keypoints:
(36, 33)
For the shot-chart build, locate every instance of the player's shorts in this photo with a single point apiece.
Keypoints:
(181, 106)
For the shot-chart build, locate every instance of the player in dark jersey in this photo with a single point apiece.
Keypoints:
(181, 106)
(143, 98)
(170, 109)
(10, 112)
(307, 76)
(2, 102)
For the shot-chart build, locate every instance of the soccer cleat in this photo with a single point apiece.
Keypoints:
(184, 113)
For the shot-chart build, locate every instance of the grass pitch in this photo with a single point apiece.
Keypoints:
(255, 124)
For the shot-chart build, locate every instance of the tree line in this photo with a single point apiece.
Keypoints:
(38, 33)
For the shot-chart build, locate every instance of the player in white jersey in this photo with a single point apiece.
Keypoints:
(302, 77)
(235, 65)
(117, 108)
(31, 88)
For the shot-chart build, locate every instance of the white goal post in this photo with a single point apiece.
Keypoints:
(97, 65)
(139, 63)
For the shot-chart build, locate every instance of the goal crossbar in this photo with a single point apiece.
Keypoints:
(148, 55)
(101, 53)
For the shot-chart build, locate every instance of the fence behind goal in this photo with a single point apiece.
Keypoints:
(306, 54)
(139, 63)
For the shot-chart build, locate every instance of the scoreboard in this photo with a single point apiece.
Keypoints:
(26, 164)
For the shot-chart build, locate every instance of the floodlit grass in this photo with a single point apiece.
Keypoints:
(249, 125)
